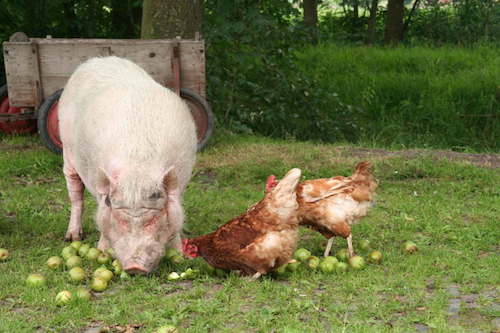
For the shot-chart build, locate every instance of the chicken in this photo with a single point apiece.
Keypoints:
(259, 240)
(331, 205)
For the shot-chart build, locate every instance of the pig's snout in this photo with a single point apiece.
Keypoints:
(135, 268)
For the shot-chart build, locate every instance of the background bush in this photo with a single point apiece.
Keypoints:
(266, 76)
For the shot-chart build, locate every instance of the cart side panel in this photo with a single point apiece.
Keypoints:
(59, 59)
(21, 68)
(192, 55)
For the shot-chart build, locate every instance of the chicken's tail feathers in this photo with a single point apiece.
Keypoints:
(363, 173)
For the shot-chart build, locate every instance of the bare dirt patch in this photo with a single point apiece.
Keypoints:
(483, 160)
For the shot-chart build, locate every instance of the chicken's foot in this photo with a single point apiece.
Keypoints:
(328, 247)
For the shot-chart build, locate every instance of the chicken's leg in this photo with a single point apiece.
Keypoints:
(349, 245)
(328, 247)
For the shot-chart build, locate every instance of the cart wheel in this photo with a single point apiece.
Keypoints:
(48, 123)
(13, 127)
(202, 115)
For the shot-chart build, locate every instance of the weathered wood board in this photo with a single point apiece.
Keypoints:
(58, 58)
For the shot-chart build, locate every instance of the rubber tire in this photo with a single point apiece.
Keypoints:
(202, 104)
(186, 94)
(43, 113)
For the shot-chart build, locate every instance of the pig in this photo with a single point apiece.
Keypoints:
(132, 144)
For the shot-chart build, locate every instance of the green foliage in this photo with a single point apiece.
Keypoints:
(446, 97)
(459, 22)
(255, 83)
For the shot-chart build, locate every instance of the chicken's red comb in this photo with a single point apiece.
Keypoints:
(271, 183)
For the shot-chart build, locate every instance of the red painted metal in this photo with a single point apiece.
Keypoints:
(53, 124)
(16, 126)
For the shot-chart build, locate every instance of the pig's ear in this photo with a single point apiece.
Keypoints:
(104, 182)
(170, 179)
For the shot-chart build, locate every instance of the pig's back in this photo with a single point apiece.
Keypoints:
(113, 112)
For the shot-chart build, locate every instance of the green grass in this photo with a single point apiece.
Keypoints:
(445, 97)
(450, 209)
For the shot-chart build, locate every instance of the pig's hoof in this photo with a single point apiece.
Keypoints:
(72, 236)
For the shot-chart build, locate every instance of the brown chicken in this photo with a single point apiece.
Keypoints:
(331, 205)
(261, 239)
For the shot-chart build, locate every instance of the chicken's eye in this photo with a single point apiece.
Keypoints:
(156, 195)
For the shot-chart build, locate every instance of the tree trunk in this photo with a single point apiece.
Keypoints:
(408, 19)
(394, 24)
(171, 18)
(355, 11)
(372, 22)
(311, 17)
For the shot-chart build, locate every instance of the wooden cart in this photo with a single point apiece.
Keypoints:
(37, 70)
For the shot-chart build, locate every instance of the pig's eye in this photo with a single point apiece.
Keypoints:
(107, 201)
(156, 196)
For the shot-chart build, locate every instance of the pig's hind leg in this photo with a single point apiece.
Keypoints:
(75, 188)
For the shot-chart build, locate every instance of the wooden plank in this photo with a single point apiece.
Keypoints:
(37, 83)
(58, 58)
(19, 67)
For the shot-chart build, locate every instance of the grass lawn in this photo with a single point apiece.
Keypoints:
(449, 208)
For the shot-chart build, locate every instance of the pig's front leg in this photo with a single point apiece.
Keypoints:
(75, 188)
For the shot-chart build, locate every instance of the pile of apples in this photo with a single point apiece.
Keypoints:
(72, 260)
(340, 262)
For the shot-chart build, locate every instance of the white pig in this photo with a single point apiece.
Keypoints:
(132, 143)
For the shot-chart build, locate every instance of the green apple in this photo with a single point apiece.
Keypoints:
(117, 267)
(36, 280)
(176, 259)
(173, 276)
(83, 250)
(376, 257)
(341, 267)
(167, 329)
(189, 273)
(281, 270)
(302, 254)
(77, 274)
(103, 273)
(98, 284)
(357, 262)
(54, 262)
(92, 254)
(68, 251)
(410, 247)
(293, 265)
(342, 254)
(124, 276)
(76, 245)
(327, 266)
(313, 262)
(331, 259)
(64, 297)
(83, 294)
(103, 258)
(364, 244)
(74, 261)
(170, 252)
(4, 254)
